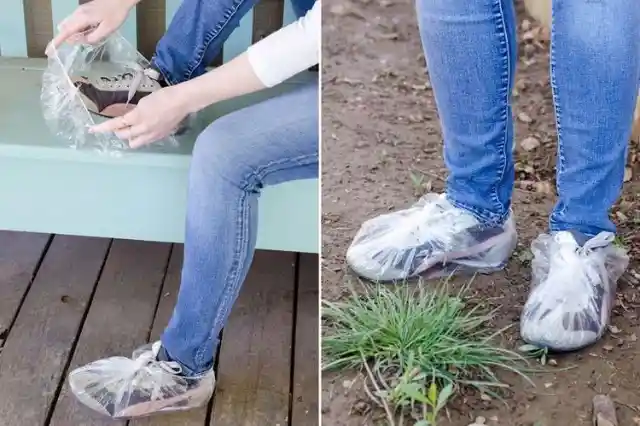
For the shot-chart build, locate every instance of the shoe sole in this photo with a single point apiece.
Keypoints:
(150, 408)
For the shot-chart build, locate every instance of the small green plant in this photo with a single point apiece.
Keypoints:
(414, 343)
(413, 389)
(533, 351)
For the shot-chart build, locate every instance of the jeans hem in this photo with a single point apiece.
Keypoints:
(163, 71)
(485, 217)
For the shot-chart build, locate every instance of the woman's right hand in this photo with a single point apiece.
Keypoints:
(93, 22)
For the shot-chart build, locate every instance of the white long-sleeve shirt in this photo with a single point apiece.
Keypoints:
(288, 51)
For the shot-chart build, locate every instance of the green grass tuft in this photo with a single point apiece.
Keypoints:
(398, 330)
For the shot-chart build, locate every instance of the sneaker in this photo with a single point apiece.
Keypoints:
(573, 290)
(115, 95)
(124, 388)
(432, 238)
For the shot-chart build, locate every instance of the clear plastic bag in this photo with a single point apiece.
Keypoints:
(64, 111)
(123, 388)
(433, 239)
(573, 290)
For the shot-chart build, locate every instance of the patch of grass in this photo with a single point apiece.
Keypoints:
(412, 340)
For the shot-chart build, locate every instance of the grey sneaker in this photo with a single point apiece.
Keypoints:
(432, 238)
(123, 388)
(573, 290)
(115, 95)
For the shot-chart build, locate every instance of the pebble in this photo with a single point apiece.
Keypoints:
(480, 421)
(530, 143)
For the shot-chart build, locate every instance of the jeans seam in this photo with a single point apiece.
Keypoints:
(560, 167)
(506, 77)
(484, 216)
(241, 244)
(211, 35)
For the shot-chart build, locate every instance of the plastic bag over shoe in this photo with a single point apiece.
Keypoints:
(64, 112)
(432, 238)
(121, 387)
(573, 290)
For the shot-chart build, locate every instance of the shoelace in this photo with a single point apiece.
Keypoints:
(139, 74)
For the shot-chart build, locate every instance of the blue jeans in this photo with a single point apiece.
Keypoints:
(471, 53)
(234, 158)
(197, 32)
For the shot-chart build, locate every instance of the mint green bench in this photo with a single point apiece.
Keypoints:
(45, 186)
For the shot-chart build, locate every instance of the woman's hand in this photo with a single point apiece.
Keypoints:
(93, 22)
(155, 117)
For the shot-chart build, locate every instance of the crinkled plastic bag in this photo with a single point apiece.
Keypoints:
(63, 110)
(122, 388)
(433, 239)
(573, 290)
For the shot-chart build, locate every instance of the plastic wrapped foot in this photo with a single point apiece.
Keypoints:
(573, 290)
(432, 238)
(121, 388)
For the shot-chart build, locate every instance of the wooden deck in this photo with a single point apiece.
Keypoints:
(65, 301)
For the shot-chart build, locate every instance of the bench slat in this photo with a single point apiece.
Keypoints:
(13, 31)
(289, 14)
(240, 38)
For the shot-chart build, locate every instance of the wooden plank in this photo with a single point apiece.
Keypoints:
(119, 318)
(240, 39)
(255, 357)
(267, 18)
(40, 342)
(20, 255)
(13, 31)
(306, 346)
(39, 26)
(195, 417)
(151, 26)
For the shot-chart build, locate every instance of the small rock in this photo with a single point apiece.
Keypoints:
(526, 25)
(614, 330)
(548, 385)
(628, 174)
(604, 411)
(607, 348)
(524, 117)
(485, 397)
(553, 362)
(621, 216)
(530, 143)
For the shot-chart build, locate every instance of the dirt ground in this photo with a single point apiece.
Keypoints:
(380, 126)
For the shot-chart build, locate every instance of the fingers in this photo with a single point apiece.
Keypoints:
(116, 124)
(132, 132)
(143, 140)
(99, 34)
(74, 24)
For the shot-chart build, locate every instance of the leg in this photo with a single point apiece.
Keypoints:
(470, 49)
(595, 68)
(471, 54)
(196, 35)
(236, 156)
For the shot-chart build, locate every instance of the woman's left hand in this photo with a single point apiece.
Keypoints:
(155, 117)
